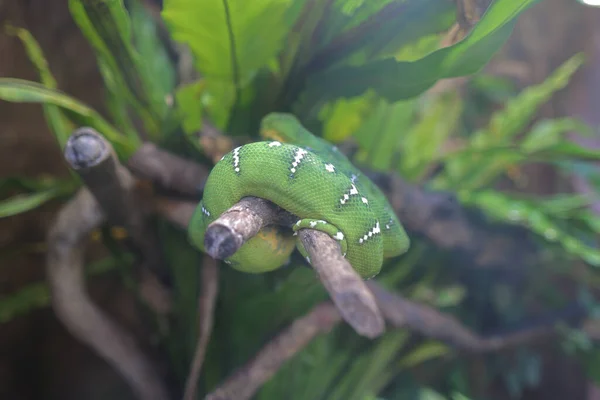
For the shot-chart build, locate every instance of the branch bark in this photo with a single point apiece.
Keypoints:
(206, 308)
(244, 383)
(234, 227)
(108, 196)
(75, 309)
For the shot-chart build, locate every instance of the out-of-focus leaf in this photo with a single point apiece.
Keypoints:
(424, 141)
(26, 202)
(424, 352)
(378, 29)
(480, 169)
(106, 25)
(403, 80)
(59, 124)
(189, 106)
(343, 117)
(157, 64)
(514, 211)
(21, 91)
(430, 394)
(37, 295)
(519, 111)
(547, 133)
(230, 40)
(379, 136)
(367, 369)
(184, 263)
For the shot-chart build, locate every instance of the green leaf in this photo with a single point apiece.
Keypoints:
(229, 39)
(343, 117)
(189, 106)
(377, 29)
(424, 352)
(548, 133)
(106, 25)
(37, 295)
(57, 121)
(25, 202)
(159, 72)
(423, 143)
(403, 80)
(379, 136)
(518, 212)
(21, 91)
(478, 170)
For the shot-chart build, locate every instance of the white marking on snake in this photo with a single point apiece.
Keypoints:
(339, 236)
(370, 234)
(274, 144)
(364, 200)
(205, 211)
(236, 159)
(330, 167)
(298, 156)
(346, 196)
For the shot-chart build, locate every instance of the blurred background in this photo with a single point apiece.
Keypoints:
(40, 360)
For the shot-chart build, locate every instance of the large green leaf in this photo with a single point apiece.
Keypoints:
(22, 91)
(384, 28)
(230, 40)
(396, 80)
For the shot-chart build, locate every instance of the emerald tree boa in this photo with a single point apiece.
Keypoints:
(311, 179)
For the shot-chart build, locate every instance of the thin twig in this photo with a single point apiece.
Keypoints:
(75, 309)
(206, 308)
(244, 383)
(234, 227)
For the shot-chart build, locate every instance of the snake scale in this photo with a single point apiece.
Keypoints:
(310, 178)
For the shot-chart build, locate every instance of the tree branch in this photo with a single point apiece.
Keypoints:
(75, 309)
(109, 196)
(234, 227)
(206, 306)
(247, 380)
(113, 186)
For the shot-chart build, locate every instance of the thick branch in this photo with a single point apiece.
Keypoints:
(168, 170)
(233, 228)
(110, 192)
(347, 289)
(75, 309)
(113, 186)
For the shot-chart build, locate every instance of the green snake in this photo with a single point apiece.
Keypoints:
(312, 179)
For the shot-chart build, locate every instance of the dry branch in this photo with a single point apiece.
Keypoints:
(347, 289)
(234, 227)
(206, 306)
(75, 309)
(247, 380)
(434, 216)
(113, 186)
(108, 196)
(168, 170)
